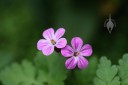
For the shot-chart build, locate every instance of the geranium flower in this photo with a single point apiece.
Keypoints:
(51, 41)
(75, 54)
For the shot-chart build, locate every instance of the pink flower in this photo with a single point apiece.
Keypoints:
(51, 41)
(75, 54)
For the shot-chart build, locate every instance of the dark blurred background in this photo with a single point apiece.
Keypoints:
(23, 21)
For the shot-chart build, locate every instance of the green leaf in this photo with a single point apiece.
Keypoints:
(16, 74)
(53, 68)
(106, 73)
(86, 76)
(123, 70)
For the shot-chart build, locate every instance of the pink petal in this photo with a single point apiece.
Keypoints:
(67, 51)
(71, 63)
(42, 43)
(47, 50)
(48, 34)
(86, 50)
(77, 43)
(61, 43)
(59, 33)
(82, 62)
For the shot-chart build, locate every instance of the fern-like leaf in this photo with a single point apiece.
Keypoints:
(16, 74)
(52, 67)
(123, 70)
(106, 73)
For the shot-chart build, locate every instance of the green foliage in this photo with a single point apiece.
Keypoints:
(53, 67)
(51, 72)
(16, 74)
(123, 70)
(85, 76)
(106, 73)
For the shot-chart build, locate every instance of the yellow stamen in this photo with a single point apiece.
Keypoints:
(53, 42)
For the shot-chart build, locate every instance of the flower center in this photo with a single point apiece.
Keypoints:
(53, 42)
(76, 54)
